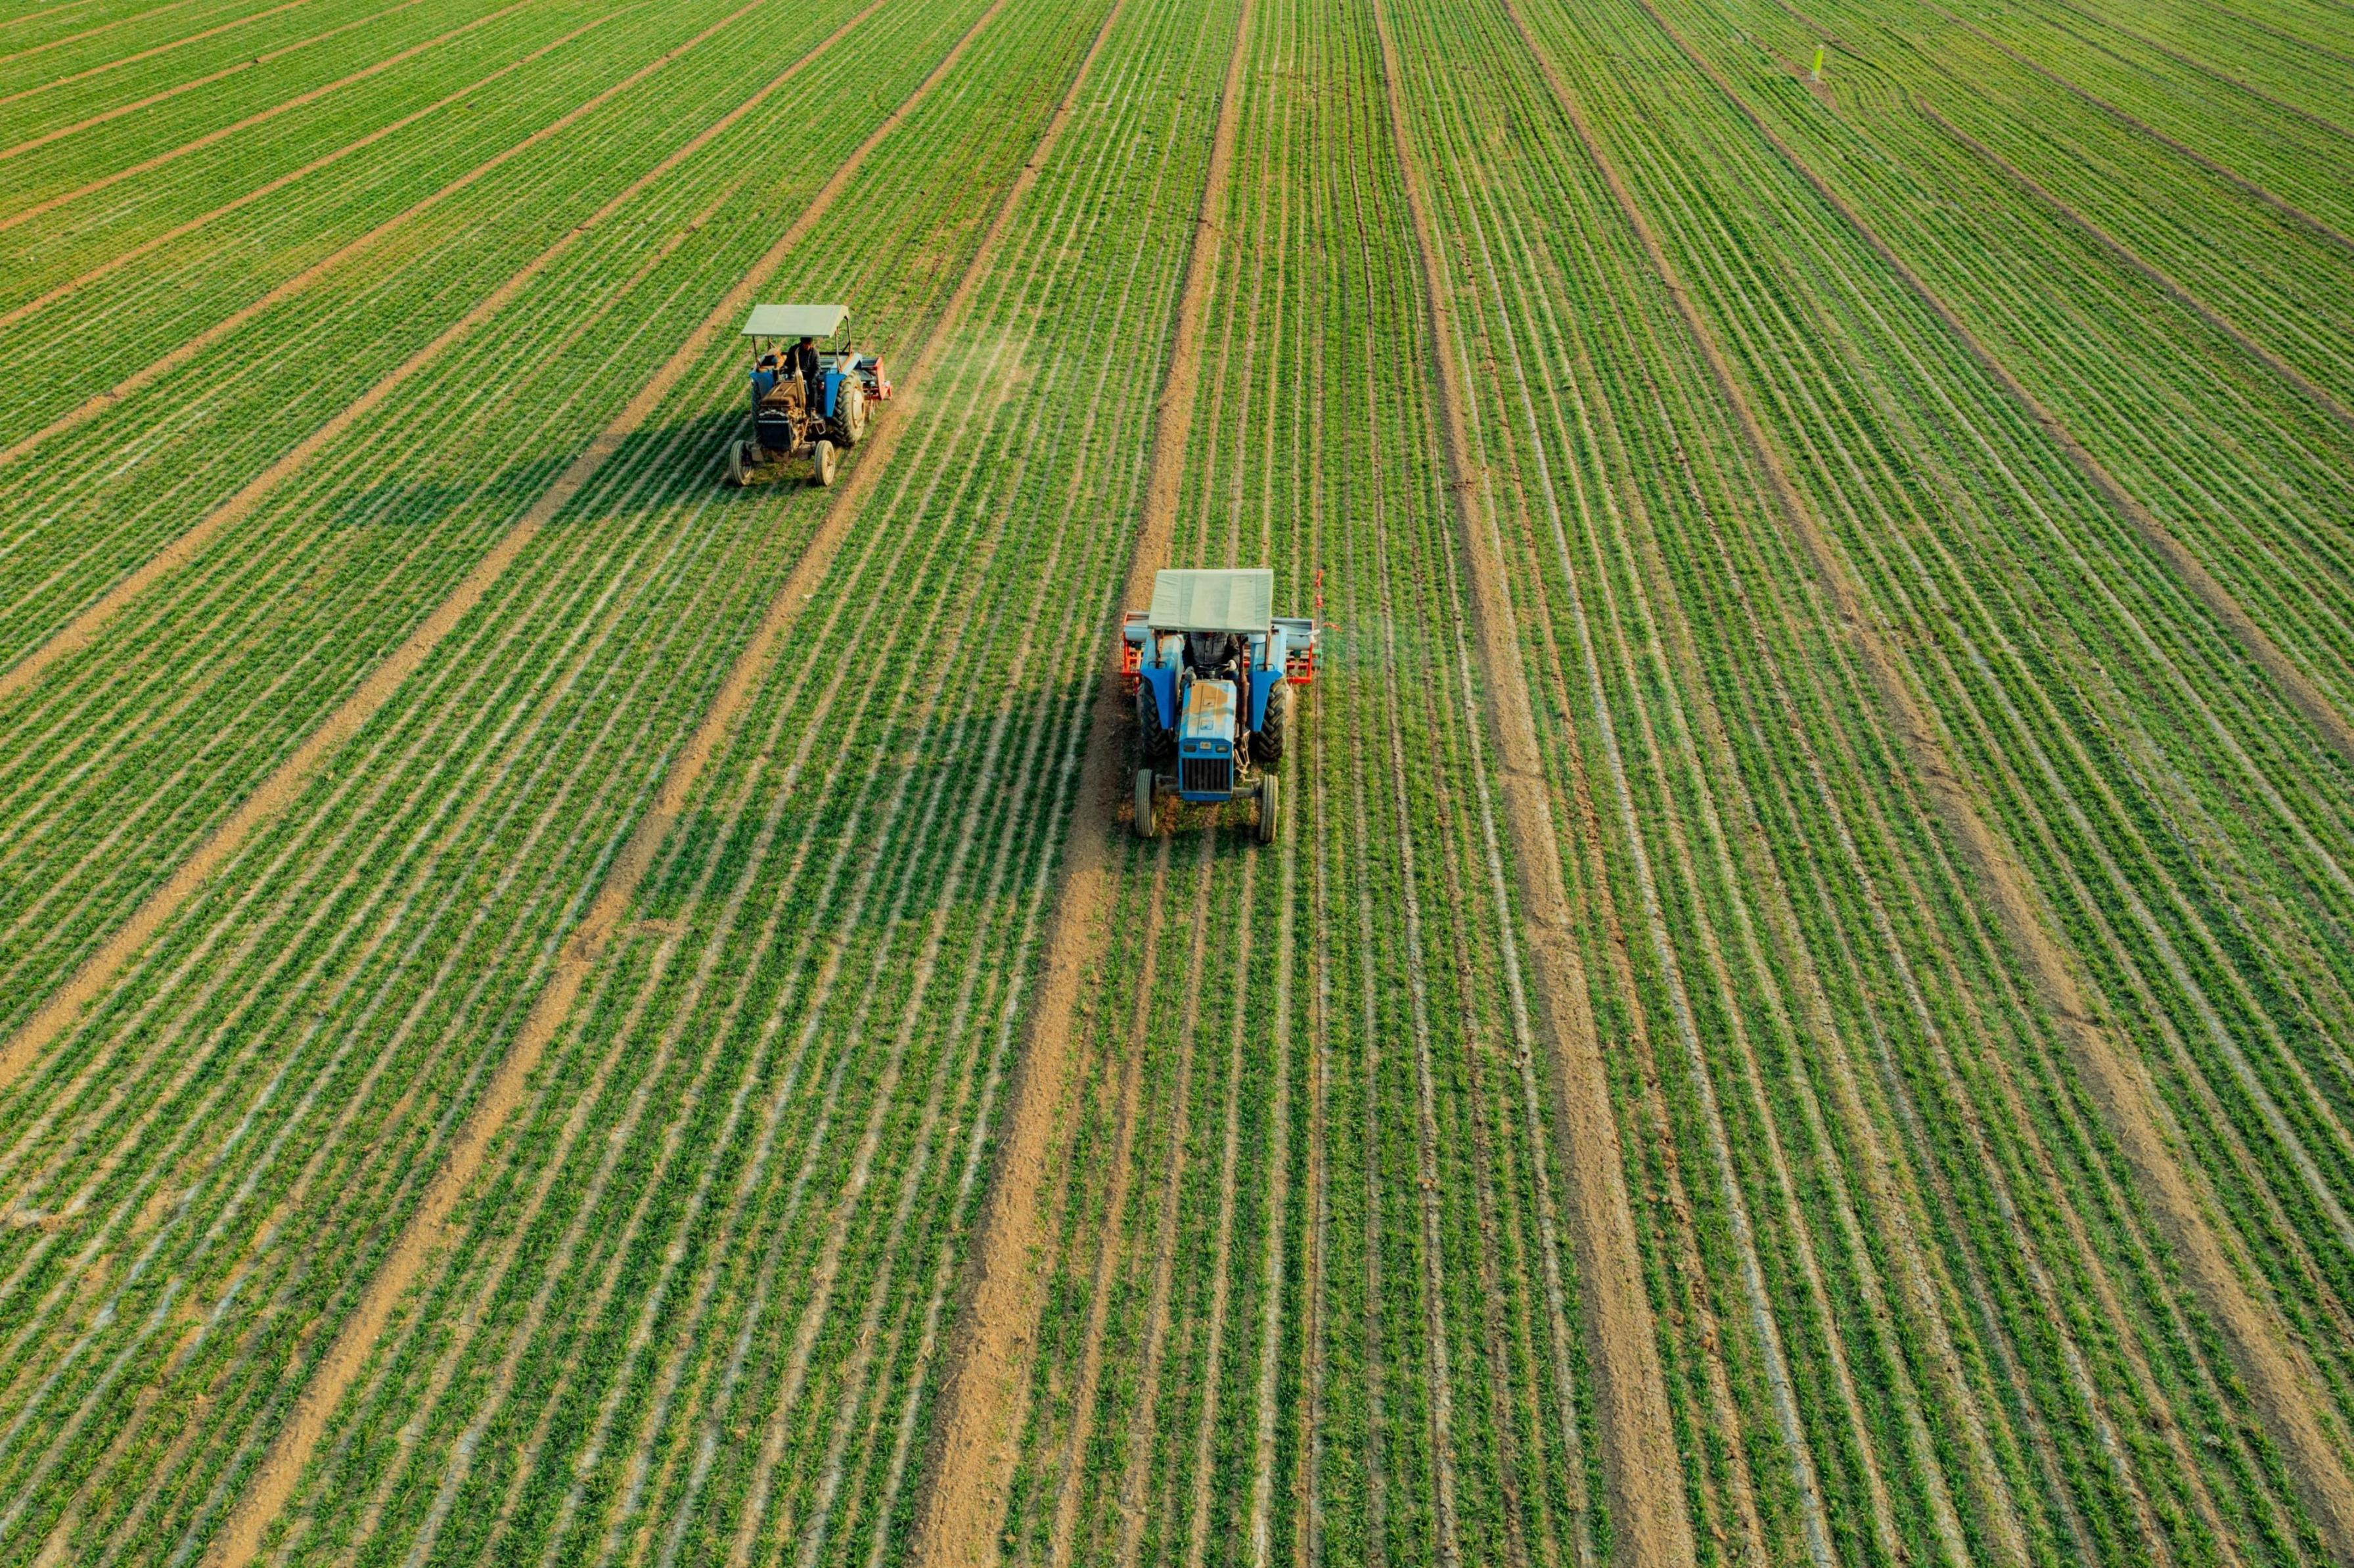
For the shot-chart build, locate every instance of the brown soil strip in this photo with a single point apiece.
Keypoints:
(162, 364)
(2240, 182)
(1641, 1466)
(104, 115)
(78, 632)
(2279, 1384)
(985, 1396)
(124, 257)
(2126, 257)
(121, 61)
(428, 1228)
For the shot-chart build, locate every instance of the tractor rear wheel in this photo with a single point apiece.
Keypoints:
(1154, 739)
(1269, 807)
(823, 461)
(1275, 726)
(1145, 826)
(854, 412)
(738, 464)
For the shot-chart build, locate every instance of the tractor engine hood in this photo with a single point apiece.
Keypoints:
(1209, 714)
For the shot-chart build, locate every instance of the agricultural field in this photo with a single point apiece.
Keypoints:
(1799, 1005)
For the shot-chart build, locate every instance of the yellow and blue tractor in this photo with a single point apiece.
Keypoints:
(811, 391)
(1211, 668)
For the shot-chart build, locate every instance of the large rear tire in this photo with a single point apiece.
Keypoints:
(1154, 739)
(1145, 826)
(1275, 731)
(738, 469)
(823, 461)
(1270, 803)
(853, 411)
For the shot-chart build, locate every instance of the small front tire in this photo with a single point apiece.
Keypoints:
(823, 461)
(738, 465)
(1145, 826)
(1269, 807)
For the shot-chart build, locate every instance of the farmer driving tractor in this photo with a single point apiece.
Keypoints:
(805, 401)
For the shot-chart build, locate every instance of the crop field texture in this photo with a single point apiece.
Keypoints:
(1801, 1009)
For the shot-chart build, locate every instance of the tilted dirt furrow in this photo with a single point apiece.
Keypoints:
(150, 53)
(137, 19)
(18, 149)
(79, 632)
(376, 772)
(2285, 1396)
(181, 354)
(341, 1365)
(2281, 204)
(979, 1415)
(124, 257)
(1725, 982)
(1638, 1455)
(2202, 1497)
(2133, 899)
(272, 794)
(222, 1154)
(2169, 956)
(814, 1531)
(789, 602)
(2126, 257)
(2214, 73)
(1975, 1287)
(963, 1011)
(2294, 684)
(1882, 1176)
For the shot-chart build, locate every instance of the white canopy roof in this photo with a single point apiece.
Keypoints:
(1213, 602)
(795, 321)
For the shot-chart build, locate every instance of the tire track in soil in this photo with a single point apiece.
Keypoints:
(119, 61)
(148, 246)
(32, 143)
(276, 792)
(426, 1229)
(78, 632)
(2302, 694)
(163, 363)
(983, 1401)
(1639, 1461)
(2279, 1379)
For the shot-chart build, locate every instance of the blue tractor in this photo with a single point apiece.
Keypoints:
(808, 400)
(1211, 668)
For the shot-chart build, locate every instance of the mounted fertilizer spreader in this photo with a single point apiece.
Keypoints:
(1211, 668)
(807, 401)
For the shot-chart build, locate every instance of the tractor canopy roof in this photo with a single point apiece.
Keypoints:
(1213, 602)
(795, 321)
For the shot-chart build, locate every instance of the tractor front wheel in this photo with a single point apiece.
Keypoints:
(739, 464)
(1269, 804)
(822, 461)
(1145, 826)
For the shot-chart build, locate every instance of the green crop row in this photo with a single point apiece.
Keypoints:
(300, 1045)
